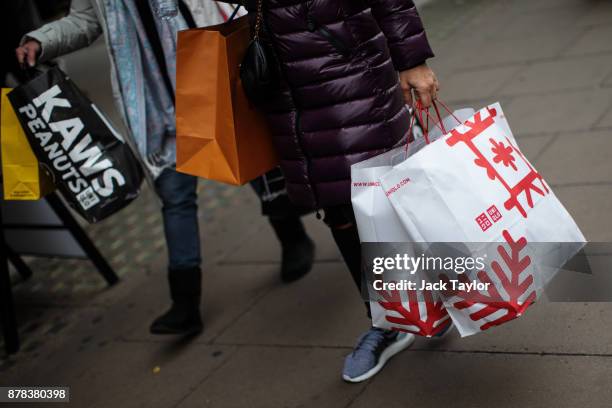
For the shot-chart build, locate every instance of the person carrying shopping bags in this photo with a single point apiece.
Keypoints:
(347, 71)
(141, 40)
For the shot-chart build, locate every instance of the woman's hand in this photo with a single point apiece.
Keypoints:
(28, 52)
(423, 81)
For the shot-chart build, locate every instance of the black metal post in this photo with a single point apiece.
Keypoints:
(81, 237)
(7, 309)
(23, 269)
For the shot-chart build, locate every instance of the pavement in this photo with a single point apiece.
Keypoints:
(549, 62)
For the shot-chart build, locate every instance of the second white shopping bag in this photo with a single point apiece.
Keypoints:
(475, 188)
(419, 312)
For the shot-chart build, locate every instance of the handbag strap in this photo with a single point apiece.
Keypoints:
(234, 13)
(258, 20)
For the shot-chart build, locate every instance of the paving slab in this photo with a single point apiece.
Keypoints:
(594, 40)
(573, 73)
(522, 20)
(555, 113)
(423, 379)
(323, 308)
(228, 292)
(533, 147)
(132, 374)
(606, 120)
(591, 206)
(227, 228)
(529, 31)
(585, 157)
(475, 84)
(47, 340)
(579, 284)
(597, 13)
(529, 19)
(80, 328)
(546, 327)
(262, 377)
(525, 6)
(160, 376)
(262, 246)
(473, 51)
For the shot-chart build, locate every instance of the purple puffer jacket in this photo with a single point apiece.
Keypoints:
(342, 102)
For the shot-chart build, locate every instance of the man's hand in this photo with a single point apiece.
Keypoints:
(423, 81)
(28, 52)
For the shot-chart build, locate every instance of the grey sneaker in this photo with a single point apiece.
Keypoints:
(372, 351)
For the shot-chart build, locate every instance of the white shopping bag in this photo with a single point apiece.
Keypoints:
(475, 188)
(378, 222)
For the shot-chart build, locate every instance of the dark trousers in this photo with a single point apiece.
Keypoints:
(178, 193)
(341, 221)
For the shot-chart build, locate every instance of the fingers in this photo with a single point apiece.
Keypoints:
(423, 82)
(406, 91)
(425, 95)
(20, 54)
(28, 53)
(407, 96)
(436, 89)
(31, 55)
(428, 93)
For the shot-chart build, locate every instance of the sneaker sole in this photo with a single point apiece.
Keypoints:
(384, 357)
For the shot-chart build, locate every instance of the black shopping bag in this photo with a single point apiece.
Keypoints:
(90, 163)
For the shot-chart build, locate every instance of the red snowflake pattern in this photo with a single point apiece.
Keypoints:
(519, 296)
(411, 319)
(503, 154)
(531, 183)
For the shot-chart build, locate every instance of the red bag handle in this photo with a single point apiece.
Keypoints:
(424, 120)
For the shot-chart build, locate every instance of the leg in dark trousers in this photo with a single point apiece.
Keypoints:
(375, 346)
(341, 221)
(178, 193)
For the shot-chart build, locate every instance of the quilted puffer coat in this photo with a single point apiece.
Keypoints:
(342, 102)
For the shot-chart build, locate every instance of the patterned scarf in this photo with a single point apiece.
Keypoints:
(148, 104)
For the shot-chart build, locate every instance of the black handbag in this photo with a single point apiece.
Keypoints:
(259, 71)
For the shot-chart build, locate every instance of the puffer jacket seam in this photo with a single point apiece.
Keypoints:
(353, 153)
(376, 37)
(372, 152)
(319, 81)
(346, 101)
(385, 62)
(293, 33)
(387, 119)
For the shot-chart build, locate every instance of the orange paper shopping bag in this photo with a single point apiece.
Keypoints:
(220, 136)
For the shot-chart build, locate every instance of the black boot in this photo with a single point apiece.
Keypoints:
(184, 315)
(298, 248)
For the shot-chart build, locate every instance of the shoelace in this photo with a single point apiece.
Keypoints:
(371, 340)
